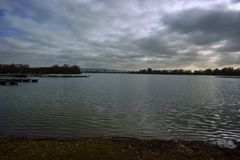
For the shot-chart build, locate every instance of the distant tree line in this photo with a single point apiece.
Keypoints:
(26, 69)
(229, 71)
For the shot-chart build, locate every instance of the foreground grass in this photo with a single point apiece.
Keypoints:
(111, 148)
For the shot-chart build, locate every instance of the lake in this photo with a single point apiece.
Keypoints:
(126, 105)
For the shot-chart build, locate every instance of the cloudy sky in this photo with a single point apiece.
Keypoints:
(126, 34)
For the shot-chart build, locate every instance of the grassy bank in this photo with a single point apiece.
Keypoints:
(111, 148)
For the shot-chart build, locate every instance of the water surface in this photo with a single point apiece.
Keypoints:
(126, 105)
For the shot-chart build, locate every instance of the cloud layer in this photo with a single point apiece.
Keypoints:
(127, 34)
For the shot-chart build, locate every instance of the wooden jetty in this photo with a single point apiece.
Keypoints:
(25, 76)
(34, 80)
(65, 76)
(10, 82)
(26, 80)
(15, 75)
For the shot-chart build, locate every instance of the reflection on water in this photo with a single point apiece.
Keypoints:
(144, 106)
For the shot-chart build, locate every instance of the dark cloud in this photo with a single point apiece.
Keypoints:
(235, 1)
(222, 23)
(201, 38)
(155, 46)
(1, 12)
(207, 28)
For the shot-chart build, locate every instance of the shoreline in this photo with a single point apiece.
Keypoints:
(111, 148)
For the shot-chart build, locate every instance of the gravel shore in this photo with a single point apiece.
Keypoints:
(111, 148)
